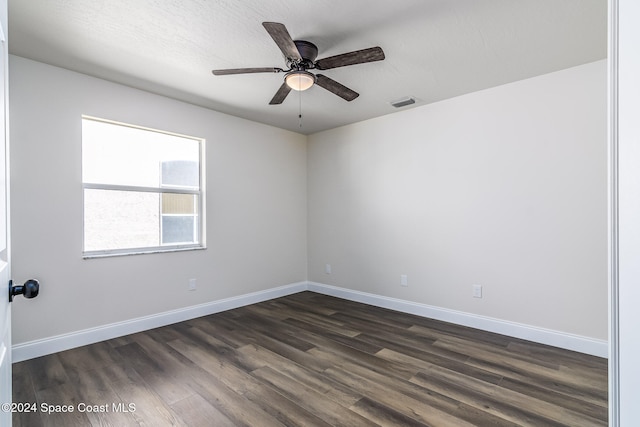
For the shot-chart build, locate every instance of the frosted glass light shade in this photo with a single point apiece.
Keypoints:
(300, 80)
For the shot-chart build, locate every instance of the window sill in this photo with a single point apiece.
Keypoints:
(140, 251)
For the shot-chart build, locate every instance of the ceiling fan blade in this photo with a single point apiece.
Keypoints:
(245, 71)
(335, 87)
(280, 35)
(280, 95)
(356, 57)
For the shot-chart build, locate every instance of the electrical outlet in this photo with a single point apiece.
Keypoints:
(403, 280)
(192, 284)
(477, 291)
(327, 268)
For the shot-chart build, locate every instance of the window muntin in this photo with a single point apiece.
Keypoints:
(142, 189)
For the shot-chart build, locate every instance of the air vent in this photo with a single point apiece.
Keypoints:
(403, 102)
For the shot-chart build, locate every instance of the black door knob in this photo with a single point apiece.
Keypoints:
(29, 289)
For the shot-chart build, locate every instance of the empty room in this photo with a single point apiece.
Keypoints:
(319, 213)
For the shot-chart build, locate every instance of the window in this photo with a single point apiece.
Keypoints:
(142, 189)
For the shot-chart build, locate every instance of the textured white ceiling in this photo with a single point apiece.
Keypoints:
(435, 49)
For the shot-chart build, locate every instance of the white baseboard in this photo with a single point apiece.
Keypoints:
(564, 340)
(42, 347)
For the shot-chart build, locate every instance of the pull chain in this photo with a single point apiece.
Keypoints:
(300, 109)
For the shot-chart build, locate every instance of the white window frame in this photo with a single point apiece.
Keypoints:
(200, 193)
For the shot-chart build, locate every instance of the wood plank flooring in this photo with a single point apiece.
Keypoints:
(313, 360)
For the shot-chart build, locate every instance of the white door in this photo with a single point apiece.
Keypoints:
(5, 270)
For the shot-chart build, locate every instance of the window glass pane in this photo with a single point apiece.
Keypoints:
(178, 229)
(120, 219)
(122, 155)
(180, 174)
(179, 204)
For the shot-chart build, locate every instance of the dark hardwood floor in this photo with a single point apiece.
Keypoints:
(313, 360)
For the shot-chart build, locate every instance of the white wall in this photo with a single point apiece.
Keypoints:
(506, 188)
(256, 206)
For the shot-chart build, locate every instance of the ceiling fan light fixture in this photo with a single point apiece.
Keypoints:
(300, 80)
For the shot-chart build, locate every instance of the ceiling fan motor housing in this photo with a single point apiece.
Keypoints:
(308, 51)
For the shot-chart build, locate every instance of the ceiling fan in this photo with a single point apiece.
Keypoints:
(300, 56)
